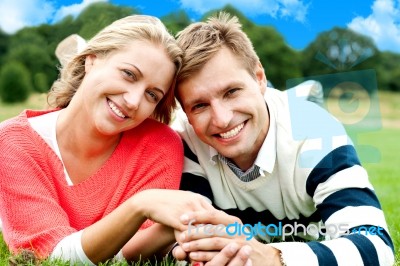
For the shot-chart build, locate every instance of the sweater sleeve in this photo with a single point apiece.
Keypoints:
(29, 207)
(169, 163)
(353, 228)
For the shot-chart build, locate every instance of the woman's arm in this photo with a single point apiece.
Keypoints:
(105, 238)
(152, 242)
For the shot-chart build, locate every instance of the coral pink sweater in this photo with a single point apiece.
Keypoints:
(38, 208)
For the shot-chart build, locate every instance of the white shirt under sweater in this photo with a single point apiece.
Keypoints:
(301, 136)
(70, 247)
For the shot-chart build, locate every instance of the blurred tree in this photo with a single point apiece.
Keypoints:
(388, 71)
(41, 82)
(334, 51)
(176, 21)
(338, 50)
(14, 82)
(30, 48)
(343, 50)
(98, 15)
(54, 34)
(279, 60)
(4, 40)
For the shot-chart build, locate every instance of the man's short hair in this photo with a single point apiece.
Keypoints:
(202, 40)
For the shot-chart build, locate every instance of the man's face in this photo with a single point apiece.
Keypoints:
(226, 108)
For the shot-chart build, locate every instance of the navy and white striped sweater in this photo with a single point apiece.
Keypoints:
(310, 173)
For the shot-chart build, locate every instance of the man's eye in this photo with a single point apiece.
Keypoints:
(198, 106)
(231, 91)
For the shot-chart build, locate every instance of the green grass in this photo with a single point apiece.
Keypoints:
(384, 175)
(384, 171)
(36, 102)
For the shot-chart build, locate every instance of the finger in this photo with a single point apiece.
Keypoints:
(202, 255)
(224, 256)
(179, 253)
(203, 231)
(209, 217)
(206, 244)
(231, 255)
(242, 258)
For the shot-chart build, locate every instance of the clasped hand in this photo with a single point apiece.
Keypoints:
(207, 242)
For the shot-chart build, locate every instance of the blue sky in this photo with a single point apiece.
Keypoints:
(299, 21)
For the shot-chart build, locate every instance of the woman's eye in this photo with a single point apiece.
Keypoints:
(198, 106)
(129, 74)
(153, 96)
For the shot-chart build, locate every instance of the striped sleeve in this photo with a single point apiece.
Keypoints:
(346, 202)
(193, 177)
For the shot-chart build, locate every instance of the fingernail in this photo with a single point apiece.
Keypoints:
(196, 264)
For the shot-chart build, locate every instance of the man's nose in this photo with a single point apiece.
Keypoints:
(221, 115)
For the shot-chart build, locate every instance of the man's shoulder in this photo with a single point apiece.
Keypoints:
(185, 130)
(181, 125)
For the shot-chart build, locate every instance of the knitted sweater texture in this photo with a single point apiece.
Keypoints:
(38, 208)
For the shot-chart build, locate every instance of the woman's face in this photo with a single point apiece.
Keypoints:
(121, 90)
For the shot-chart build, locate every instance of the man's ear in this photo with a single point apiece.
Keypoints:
(260, 77)
(89, 61)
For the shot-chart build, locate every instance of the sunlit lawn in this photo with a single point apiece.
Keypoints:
(383, 168)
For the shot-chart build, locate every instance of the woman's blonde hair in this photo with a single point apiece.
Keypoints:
(200, 41)
(114, 37)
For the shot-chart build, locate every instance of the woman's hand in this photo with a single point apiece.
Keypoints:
(169, 206)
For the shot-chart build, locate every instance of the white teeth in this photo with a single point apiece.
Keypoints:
(233, 132)
(115, 109)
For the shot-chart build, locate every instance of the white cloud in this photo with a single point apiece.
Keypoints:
(74, 9)
(383, 25)
(296, 9)
(15, 15)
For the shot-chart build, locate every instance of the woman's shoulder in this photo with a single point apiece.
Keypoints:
(153, 128)
(153, 133)
(14, 124)
(20, 122)
(17, 129)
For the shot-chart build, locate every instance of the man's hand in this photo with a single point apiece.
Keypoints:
(230, 255)
(201, 244)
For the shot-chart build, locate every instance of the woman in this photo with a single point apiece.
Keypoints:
(78, 181)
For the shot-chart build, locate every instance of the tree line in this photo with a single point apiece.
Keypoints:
(28, 63)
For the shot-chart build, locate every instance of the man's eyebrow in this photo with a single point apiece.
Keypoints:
(195, 102)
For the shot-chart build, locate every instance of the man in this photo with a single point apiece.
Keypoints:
(271, 159)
